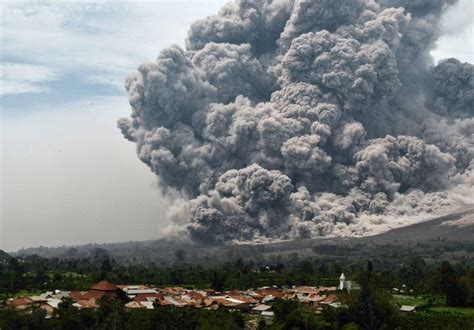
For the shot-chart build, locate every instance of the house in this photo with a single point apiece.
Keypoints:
(140, 304)
(243, 298)
(86, 295)
(327, 288)
(311, 299)
(53, 302)
(261, 308)
(61, 294)
(172, 301)
(268, 314)
(20, 303)
(38, 299)
(86, 304)
(47, 294)
(330, 299)
(106, 288)
(407, 309)
(148, 297)
(49, 306)
(307, 290)
(347, 285)
(134, 304)
(134, 290)
(89, 299)
(48, 309)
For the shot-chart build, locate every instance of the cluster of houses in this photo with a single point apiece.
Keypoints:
(255, 301)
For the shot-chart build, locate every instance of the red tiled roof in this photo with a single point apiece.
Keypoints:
(328, 300)
(195, 295)
(307, 289)
(247, 300)
(234, 293)
(164, 302)
(208, 301)
(225, 302)
(134, 304)
(105, 286)
(86, 295)
(273, 292)
(20, 301)
(144, 296)
(93, 295)
(87, 303)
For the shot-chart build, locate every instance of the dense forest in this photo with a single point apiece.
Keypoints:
(321, 266)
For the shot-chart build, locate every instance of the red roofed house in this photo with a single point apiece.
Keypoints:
(107, 288)
(89, 299)
(20, 303)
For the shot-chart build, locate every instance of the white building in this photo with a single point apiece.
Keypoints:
(343, 284)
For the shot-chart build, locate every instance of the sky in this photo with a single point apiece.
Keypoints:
(67, 175)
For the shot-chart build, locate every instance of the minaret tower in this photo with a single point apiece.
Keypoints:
(342, 282)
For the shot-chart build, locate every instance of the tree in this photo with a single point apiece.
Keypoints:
(180, 255)
(239, 264)
(11, 320)
(66, 317)
(37, 319)
(371, 307)
(106, 265)
(218, 279)
(111, 312)
(456, 295)
(290, 314)
(413, 271)
(467, 282)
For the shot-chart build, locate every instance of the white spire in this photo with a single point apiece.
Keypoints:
(342, 282)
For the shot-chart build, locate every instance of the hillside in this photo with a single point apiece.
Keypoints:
(4, 257)
(453, 232)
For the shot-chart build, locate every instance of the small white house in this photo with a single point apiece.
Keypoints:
(407, 308)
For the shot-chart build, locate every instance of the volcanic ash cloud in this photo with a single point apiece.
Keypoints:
(297, 119)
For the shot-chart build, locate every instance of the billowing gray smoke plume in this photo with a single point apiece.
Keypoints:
(295, 119)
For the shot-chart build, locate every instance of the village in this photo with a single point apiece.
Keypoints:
(256, 302)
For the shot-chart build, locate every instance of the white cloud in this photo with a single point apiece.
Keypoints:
(457, 39)
(107, 37)
(67, 175)
(17, 78)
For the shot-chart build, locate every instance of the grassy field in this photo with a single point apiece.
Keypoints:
(460, 310)
(438, 304)
(410, 300)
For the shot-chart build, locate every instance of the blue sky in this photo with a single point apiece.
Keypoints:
(67, 176)
(62, 52)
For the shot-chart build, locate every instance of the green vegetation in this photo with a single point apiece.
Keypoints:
(112, 315)
(411, 300)
(290, 314)
(436, 321)
(442, 290)
(455, 310)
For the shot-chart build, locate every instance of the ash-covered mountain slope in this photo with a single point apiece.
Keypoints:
(454, 231)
